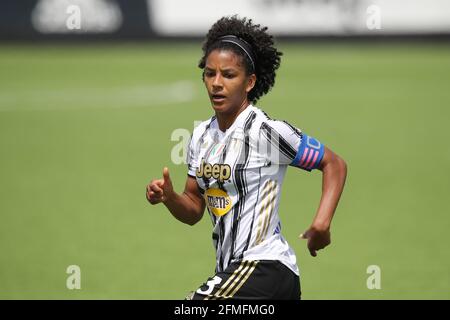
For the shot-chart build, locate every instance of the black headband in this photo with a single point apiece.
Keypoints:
(241, 43)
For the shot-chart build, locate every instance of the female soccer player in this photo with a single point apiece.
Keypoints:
(237, 160)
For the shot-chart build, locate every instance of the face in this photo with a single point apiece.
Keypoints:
(226, 81)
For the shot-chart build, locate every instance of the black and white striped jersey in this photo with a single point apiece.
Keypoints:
(240, 173)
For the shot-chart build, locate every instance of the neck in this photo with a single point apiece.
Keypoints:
(225, 120)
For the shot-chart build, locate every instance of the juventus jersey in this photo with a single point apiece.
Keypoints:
(240, 173)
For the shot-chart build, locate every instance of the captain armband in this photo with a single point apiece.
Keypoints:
(309, 154)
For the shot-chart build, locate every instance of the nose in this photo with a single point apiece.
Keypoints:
(217, 82)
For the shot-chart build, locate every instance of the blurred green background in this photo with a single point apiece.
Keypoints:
(83, 129)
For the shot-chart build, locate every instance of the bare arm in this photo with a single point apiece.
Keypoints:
(334, 171)
(187, 207)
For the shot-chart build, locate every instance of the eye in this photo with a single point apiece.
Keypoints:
(209, 73)
(229, 75)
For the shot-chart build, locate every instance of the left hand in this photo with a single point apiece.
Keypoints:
(317, 239)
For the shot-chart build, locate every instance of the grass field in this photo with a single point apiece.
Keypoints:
(84, 128)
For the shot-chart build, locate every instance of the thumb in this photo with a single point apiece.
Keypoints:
(304, 235)
(166, 176)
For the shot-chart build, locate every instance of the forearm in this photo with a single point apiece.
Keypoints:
(333, 180)
(184, 208)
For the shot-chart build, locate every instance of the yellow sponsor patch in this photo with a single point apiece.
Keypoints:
(217, 201)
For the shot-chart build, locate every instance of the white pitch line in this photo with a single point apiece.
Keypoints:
(98, 98)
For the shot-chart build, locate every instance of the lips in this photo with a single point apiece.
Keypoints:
(218, 97)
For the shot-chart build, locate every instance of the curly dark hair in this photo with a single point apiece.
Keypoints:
(266, 55)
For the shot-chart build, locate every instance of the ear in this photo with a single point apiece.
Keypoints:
(251, 81)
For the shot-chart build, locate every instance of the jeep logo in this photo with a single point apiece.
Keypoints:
(220, 172)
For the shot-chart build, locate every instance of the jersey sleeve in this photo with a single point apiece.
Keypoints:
(288, 145)
(191, 158)
(193, 149)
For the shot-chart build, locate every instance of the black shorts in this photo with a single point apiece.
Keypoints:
(263, 279)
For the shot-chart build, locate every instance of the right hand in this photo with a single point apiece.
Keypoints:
(318, 238)
(160, 190)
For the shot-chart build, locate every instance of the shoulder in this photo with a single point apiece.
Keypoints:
(202, 127)
(281, 127)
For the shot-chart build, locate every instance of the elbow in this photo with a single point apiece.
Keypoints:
(334, 163)
(194, 219)
(192, 222)
(342, 166)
